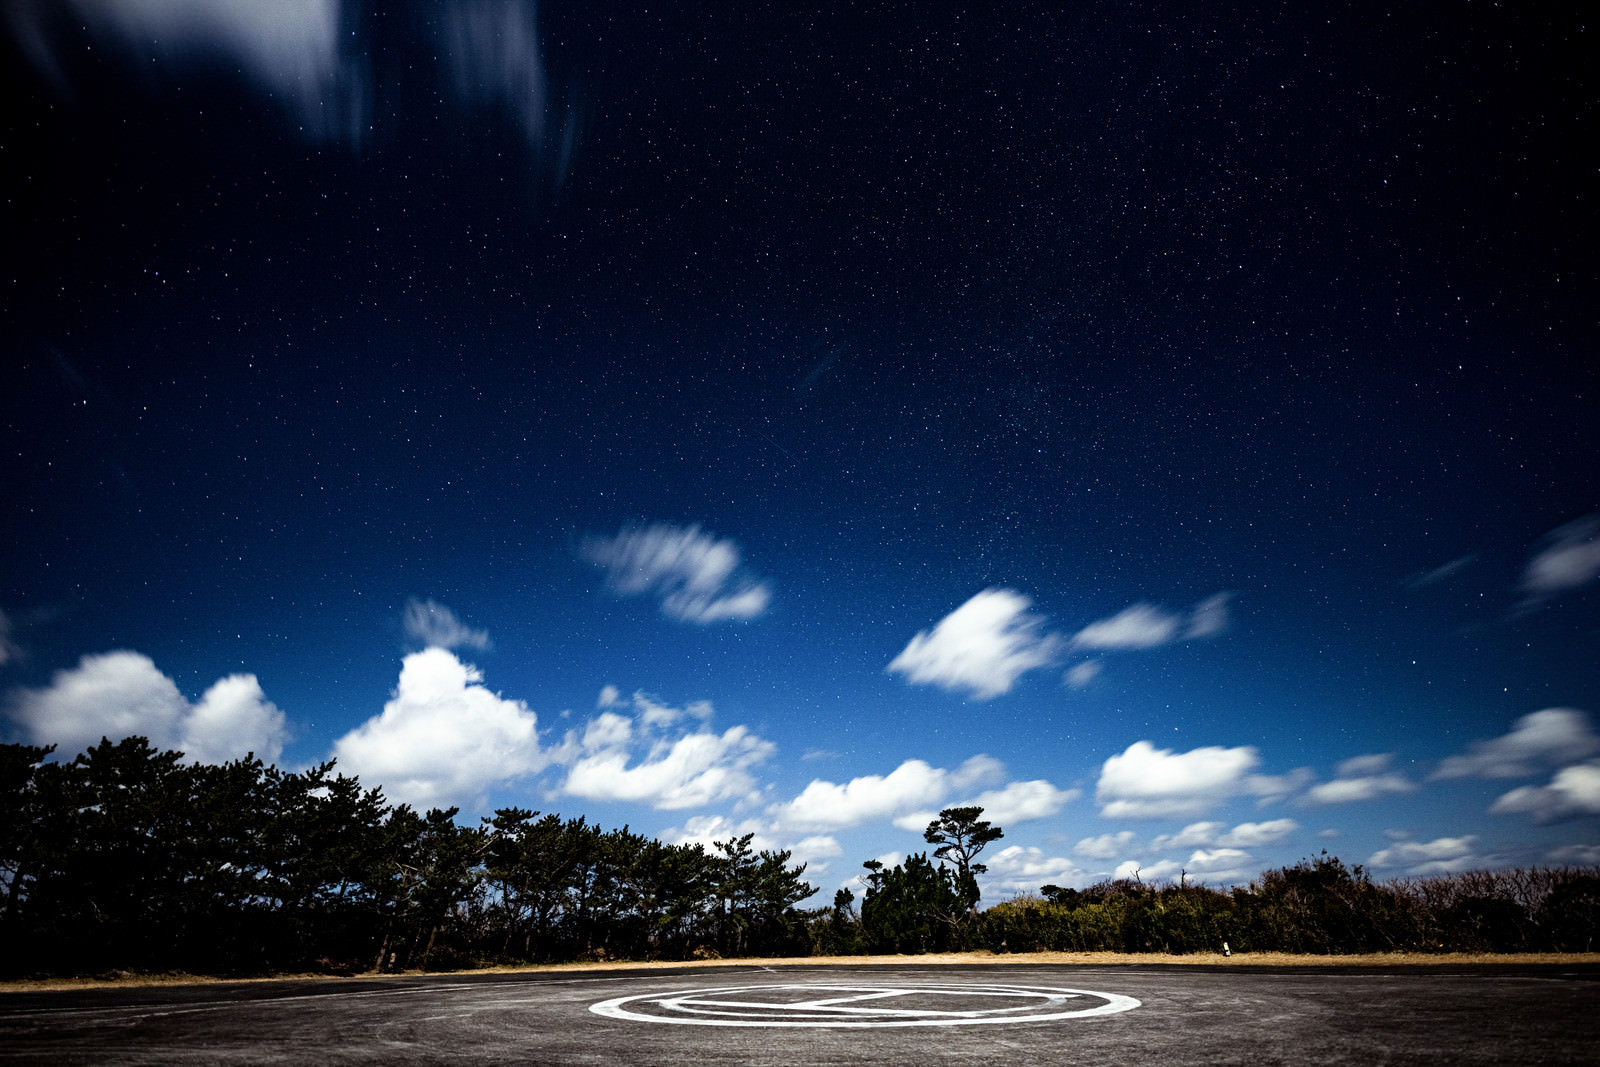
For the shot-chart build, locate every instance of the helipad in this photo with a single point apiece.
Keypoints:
(863, 1005)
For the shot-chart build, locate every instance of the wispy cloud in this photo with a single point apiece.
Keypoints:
(986, 644)
(122, 694)
(1574, 792)
(1213, 834)
(443, 739)
(1138, 626)
(1576, 855)
(1537, 742)
(696, 576)
(312, 56)
(290, 49)
(1444, 855)
(1568, 558)
(9, 650)
(1441, 573)
(1191, 836)
(981, 648)
(1210, 617)
(1144, 625)
(1080, 675)
(491, 48)
(433, 625)
(1361, 778)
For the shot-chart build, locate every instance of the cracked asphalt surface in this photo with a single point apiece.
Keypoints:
(1545, 1014)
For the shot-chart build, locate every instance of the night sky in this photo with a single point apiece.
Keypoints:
(1175, 428)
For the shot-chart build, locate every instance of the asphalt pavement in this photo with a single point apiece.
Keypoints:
(807, 1014)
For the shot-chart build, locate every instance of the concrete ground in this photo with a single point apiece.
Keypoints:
(970, 1014)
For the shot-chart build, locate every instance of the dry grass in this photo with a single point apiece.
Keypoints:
(1081, 959)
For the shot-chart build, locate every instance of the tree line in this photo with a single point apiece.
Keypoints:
(1319, 905)
(130, 859)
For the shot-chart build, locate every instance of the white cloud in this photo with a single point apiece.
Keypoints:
(1025, 869)
(665, 756)
(695, 576)
(1544, 739)
(1213, 834)
(989, 642)
(817, 845)
(1364, 766)
(122, 694)
(1218, 865)
(607, 731)
(1574, 792)
(982, 647)
(693, 770)
(915, 821)
(233, 717)
(112, 694)
(1444, 855)
(1149, 873)
(1196, 833)
(978, 771)
(1021, 801)
(655, 715)
(707, 830)
(910, 787)
(1014, 803)
(1569, 558)
(1145, 781)
(1268, 788)
(433, 625)
(442, 739)
(1106, 845)
(1139, 626)
(1256, 834)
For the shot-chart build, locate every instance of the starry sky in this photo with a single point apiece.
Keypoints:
(1169, 426)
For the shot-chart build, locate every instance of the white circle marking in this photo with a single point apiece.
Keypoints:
(860, 1005)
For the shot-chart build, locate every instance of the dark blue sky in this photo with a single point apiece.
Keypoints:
(1174, 429)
